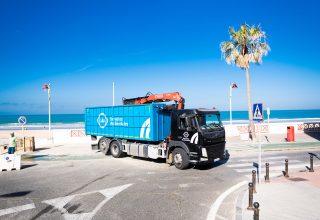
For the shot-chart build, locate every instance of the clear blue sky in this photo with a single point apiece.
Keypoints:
(81, 47)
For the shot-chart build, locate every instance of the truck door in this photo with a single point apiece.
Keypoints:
(187, 129)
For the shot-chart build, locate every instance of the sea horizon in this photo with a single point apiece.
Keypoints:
(237, 116)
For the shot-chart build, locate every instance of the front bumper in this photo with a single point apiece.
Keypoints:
(208, 153)
(214, 151)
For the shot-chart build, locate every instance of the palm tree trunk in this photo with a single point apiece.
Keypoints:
(252, 129)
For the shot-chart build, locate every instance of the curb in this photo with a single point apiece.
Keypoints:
(239, 204)
(274, 147)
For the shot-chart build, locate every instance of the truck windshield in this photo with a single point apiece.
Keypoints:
(209, 121)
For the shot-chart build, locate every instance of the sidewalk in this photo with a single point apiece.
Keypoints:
(293, 198)
(273, 142)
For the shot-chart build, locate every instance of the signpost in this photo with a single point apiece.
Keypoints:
(22, 120)
(258, 116)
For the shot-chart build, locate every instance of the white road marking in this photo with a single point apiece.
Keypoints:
(59, 203)
(276, 168)
(270, 163)
(221, 217)
(266, 158)
(241, 165)
(16, 209)
(271, 175)
(215, 206)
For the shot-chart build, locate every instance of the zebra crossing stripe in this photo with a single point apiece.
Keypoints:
(270, 163)
(271, 175)
(265, 158)
(276, 168)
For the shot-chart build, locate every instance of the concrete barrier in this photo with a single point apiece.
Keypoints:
(241, 130)
(9, 162)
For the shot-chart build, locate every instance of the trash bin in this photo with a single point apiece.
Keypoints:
(290, 133)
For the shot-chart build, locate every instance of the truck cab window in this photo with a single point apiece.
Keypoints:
(183, 123)
(209, 121)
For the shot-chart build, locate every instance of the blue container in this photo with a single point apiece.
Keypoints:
(147, 122)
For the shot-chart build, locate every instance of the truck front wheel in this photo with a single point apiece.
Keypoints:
(115, 149)
(180, 158)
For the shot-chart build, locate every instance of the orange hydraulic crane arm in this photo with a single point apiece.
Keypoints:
(165, 97)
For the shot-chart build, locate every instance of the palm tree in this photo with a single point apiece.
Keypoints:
(247, 45)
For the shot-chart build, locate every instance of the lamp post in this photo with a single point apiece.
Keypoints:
(46, 87)
(232, 86)
(113, 93)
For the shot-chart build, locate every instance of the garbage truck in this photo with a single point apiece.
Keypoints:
(146, 127)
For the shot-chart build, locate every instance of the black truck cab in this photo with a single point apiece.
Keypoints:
(196, 134)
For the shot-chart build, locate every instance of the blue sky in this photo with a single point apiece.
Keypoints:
(81, 47)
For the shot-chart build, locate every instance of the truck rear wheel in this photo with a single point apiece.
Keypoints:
(180, 158)
(115, 149)
(103, 145)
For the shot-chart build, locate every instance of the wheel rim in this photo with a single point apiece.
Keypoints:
(177, 159)
(115, 149)
(103, 145)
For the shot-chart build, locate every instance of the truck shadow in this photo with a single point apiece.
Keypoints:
(158, 161)
(315, 135)
(210, 165)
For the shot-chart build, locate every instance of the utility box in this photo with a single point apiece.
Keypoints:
(146, 122)
(29, 144)
(25, 144)
(20, 144)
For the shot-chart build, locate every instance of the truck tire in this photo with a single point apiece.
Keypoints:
(103, 145)
(115, 149)
(180, 158)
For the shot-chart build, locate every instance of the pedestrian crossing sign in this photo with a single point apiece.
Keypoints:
(258, 112)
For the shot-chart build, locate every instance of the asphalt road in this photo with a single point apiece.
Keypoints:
(125, 188)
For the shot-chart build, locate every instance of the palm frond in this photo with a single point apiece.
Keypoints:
(247, 45)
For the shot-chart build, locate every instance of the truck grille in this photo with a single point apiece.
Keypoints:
(215, 151)
(214, 135)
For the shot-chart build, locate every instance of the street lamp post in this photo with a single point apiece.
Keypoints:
(232, 86)
(46, 87)
(113, 93)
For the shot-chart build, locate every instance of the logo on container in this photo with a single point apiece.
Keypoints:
(102, 120)
(145, 129)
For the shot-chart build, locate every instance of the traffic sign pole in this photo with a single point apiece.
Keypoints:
(259, 174)
(258, 116)
(22, 120)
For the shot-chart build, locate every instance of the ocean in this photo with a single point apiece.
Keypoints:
(60, 121)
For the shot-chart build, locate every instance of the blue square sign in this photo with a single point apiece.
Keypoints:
(258, 112)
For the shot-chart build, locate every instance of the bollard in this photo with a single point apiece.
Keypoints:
(311, 163)
(286, 168)
(254, 181)
(250, 207)
(267, 173)
(256, 211)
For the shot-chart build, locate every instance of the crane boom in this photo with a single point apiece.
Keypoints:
(165, 97)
